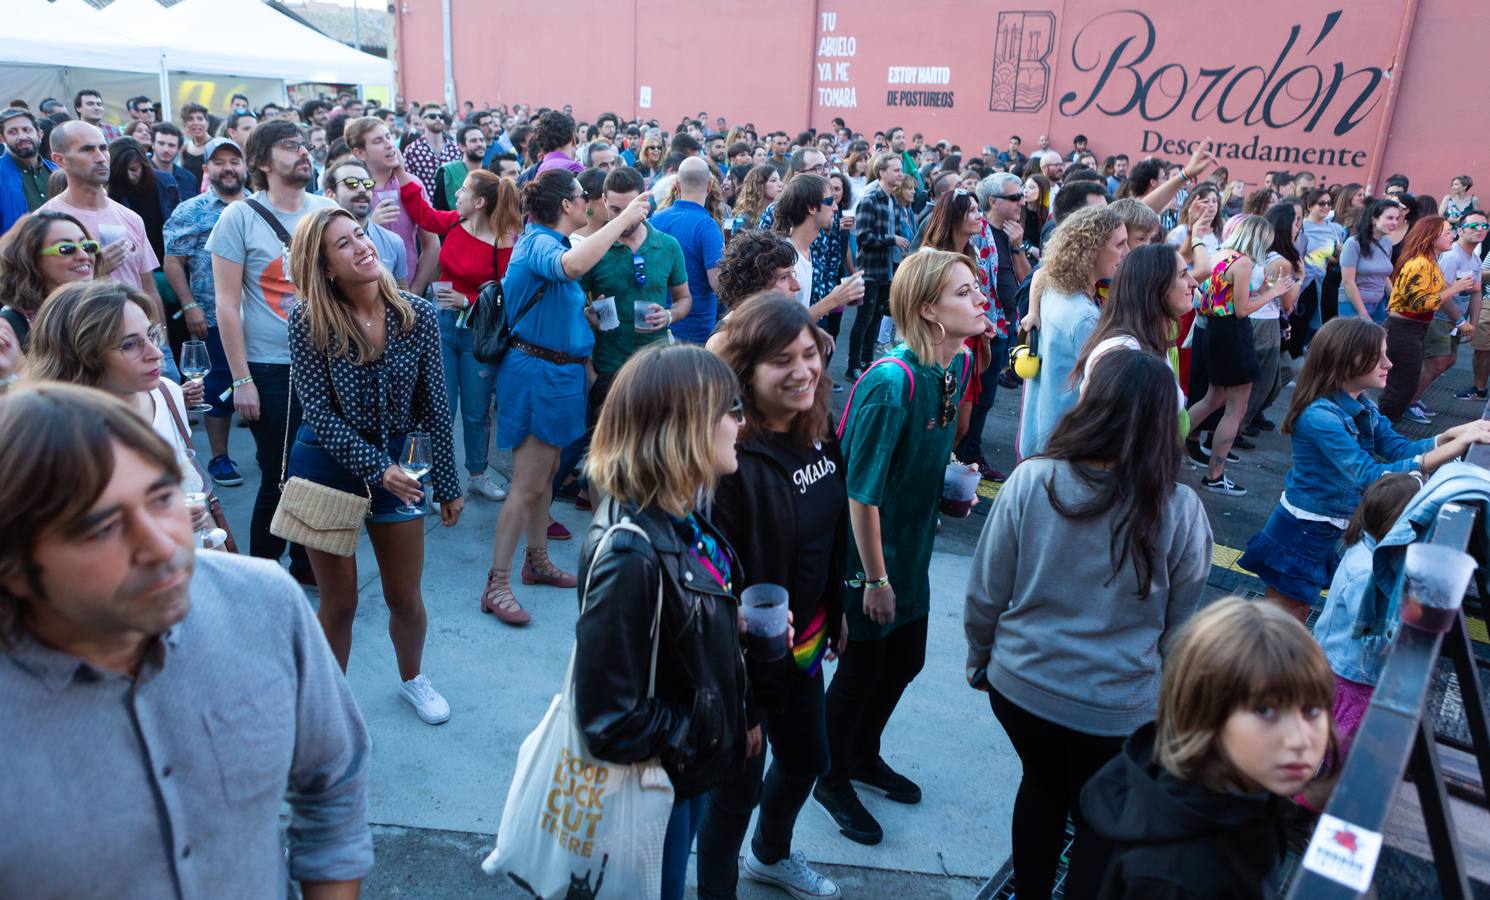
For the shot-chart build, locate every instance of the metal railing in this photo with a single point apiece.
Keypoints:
(1396, 737)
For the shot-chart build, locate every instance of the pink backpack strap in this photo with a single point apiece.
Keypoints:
(843, 421)
(967, 370)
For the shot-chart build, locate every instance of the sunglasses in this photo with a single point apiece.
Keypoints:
(949, 400)
(1012, 198)
(68, 248)
(638, 268)
(1477, 226)
(736, 411)
(583, 196)
(366, 184)
(828, 201)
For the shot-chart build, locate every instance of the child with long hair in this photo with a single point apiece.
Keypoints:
(1194, 804)
(1341, 444)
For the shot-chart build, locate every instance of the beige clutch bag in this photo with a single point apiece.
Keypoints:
(319, 516)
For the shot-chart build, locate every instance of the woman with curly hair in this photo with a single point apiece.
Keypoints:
(1084, 250)
(756, 261)
(41, 252)
(762, 186)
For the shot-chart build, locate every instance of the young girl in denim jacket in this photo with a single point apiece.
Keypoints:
(1357, 661)
(1341, 444)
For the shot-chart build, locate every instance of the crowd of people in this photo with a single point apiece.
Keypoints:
(669, 306)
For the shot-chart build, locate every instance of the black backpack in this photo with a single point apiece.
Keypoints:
(491, 334)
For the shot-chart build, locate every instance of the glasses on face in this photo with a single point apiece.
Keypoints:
(1324, 204)
(1012, 198)
(351, 183)
(638, 269)
(68, 248)
(820, 168)
(1474, 226)
(736, 411)
(432, 116)
(134, 346)
(294, 145)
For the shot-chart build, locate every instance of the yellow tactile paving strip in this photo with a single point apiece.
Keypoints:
(1224, 557)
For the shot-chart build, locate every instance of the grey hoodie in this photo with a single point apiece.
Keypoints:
(1061, 637)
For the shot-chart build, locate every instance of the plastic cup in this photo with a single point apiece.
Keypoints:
(641, 310)
(605, 312)
(1433, 587)
(765, 609)
(109, 233)
(959, 489)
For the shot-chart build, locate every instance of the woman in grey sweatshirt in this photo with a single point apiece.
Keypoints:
(1091, 558)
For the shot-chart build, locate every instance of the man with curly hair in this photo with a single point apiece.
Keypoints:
(554, 137)
(757, 261)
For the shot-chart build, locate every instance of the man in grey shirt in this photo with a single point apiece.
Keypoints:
(161, 703)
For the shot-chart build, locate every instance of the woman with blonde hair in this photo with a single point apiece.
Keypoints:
(365, 364)
(655, 572)
(649, 159)
(759, 190)
(1083, 251)
(1231, 292)
(896, 434)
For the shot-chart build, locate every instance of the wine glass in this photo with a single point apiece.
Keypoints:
(196, 362)
(194, 489)
(415, 462)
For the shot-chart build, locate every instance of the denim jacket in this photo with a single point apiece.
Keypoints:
(1337, 443)
(1358, 659)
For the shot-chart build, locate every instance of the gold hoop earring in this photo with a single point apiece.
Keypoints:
(943, 338)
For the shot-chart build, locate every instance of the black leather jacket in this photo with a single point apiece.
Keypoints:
(695, 722)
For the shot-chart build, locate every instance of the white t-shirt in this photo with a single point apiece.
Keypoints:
(165, 426)
(1112, 343)
(803, 270)
(1274, 307)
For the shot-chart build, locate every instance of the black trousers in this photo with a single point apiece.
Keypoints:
(1057, 763)
(866, 328)
(798, 733)
(1406, 340)
(872, 674)
(279, 414)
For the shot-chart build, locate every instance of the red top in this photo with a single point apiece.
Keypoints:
(465, 260)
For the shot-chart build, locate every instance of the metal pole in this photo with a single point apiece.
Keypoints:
(356, 26)
(165, 91)
(449, 58)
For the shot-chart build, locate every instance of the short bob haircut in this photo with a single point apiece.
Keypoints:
(1252, 237)
(58, 472)
(918, 284)
(654, 442)
(763, 326)
(1235, 654)
(79, 323)
(1069, 253)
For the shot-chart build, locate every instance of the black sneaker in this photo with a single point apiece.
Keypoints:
(1224, 485)
(879, 777)
(1199, 456)
(1262, 424)
(1206, 446)
(848, 814)
(1242, 443)
(1472, 393)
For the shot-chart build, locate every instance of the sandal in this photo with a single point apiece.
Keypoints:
(538, 569)
(497, 599)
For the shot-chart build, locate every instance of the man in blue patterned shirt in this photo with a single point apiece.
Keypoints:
(188, 268)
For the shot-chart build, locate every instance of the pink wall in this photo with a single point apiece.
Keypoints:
(1305, 84)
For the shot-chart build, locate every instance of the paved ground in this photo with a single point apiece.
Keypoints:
(437, 793)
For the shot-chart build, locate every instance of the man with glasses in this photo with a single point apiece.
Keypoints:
(827, 247)
(140, 109)
(165, 148)
(188, 268)
(1001, 197)
(23, 172)
(249, 247)
(451, 175)
(1457, 317)
(807, 213)
(425, 154)
(1474, 227)
(600, 155)
(351, 187)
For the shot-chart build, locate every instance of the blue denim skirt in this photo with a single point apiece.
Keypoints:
(311, 461)
(1295, 557)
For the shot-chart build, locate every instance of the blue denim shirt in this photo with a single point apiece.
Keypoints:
(1358, 659)
(1337, 445)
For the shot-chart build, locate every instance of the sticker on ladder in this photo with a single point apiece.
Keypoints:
(1343, 852)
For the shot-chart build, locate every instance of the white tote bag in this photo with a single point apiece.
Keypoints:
(576, 828)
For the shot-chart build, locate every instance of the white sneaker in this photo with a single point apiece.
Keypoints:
(426, 701)
(483, 486)
(792, 875)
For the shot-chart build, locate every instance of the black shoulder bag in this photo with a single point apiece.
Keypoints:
(491, 334)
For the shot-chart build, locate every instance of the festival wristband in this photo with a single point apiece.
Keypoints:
(246, 379)
(182, 311)
(866, 583)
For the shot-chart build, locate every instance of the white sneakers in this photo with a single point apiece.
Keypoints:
(792, 875)
(426, 701)
(483, 486)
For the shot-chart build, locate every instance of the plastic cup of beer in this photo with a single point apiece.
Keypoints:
(765, 610)
(1433, 586)
(959, 489)
(605, 313)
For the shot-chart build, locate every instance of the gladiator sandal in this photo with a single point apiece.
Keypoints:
(538, 569)
(498, 599)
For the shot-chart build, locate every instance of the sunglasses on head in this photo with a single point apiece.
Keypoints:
(354, 183)
(68, 248)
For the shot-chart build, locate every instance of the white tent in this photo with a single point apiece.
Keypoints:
(32, 32)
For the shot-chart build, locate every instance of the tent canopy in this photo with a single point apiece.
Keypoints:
(34, 32)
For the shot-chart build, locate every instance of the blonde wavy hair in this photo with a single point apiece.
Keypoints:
(1235, 654)
(333, 330)
(1068, 256)
(918, 284)
(654, 442)
(77, 325)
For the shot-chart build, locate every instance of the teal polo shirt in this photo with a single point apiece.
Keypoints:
(615, 276)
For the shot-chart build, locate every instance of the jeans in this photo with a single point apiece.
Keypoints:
(468, 387)
(872, 674)
(1405, 347)
(279, 416)
(866, 328)
(219, 379)
(799, 754)
(682, 827)
(1057, 762)
(971, 447)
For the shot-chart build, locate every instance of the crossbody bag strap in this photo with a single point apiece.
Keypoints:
(532, 302)
(176, 417)
(656, 631)
(284, 458)
(270, 219)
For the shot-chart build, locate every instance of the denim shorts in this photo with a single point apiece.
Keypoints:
(311, 461)
(1295, 557)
